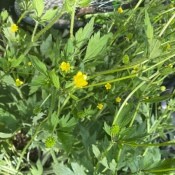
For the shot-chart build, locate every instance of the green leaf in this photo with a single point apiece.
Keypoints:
(38, 81)
(83, 34)
(104, 162)
(78, 170)
(126, 115)
(148, 28)
(84, 3)
(55, 79)
(5, 135)
(152, 156)
(154, 48)
(61, 169)
(49, 15)
(46, 45)
(66, 139)
(96, 151)
(167, 165)
(67, 122)
(40, 66)
(107, 128)
(17, 62)
(54, 119)
(37, 170)
(39, 7)
(97, 46)
(158, 99)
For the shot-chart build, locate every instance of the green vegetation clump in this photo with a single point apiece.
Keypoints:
(88, 102)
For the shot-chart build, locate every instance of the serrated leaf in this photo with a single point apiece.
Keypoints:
(55, 79)
(154, 48)
(104, 162)
(54, 119)
(37, 170)
(49, 15)
(61, 169)
(78, 169)
(38, 81)
(46, 45)
(96, 46)
(39, 7)
(83, 34)
(67, 122)
(66, 139)
(96, 151)
(17, 62)
(40, 66)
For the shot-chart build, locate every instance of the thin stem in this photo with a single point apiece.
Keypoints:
(72, 20)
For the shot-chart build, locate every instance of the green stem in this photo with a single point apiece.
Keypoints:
(53, 102)
(112, 81)
(28, 144)
(72, 20)
(133, 144)
(128, 97)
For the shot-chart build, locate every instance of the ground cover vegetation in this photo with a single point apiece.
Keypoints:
(93, 101)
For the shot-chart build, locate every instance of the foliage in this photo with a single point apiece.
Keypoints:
(113, 123)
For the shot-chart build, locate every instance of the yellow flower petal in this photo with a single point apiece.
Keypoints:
(65, 67)
(80, 80)
(120, 10)
(118, 99)
(14, 28)
(18, 82)
(108, 86)
(100, 106)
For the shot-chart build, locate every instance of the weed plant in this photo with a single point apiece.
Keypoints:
(88, 103)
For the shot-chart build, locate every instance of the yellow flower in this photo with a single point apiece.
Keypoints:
(108, 86)
(14, 28)
(118, 99)
(100, 106)
(29, 63)
(19, 82)
(65, 67)
(80, 80)
(168, 46)
(136, 69)
(163, 88)
(120, 10)
(170, 65)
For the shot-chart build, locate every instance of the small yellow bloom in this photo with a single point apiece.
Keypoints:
(14, 28)
(100, 106)
(136, 69)
(170, 65)
(118, 99)
(163, 88)
(168, 46)
(65, 67)
(80, 80)
(19, 82)
(108, 86)
(120, 10)
(29, 63)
